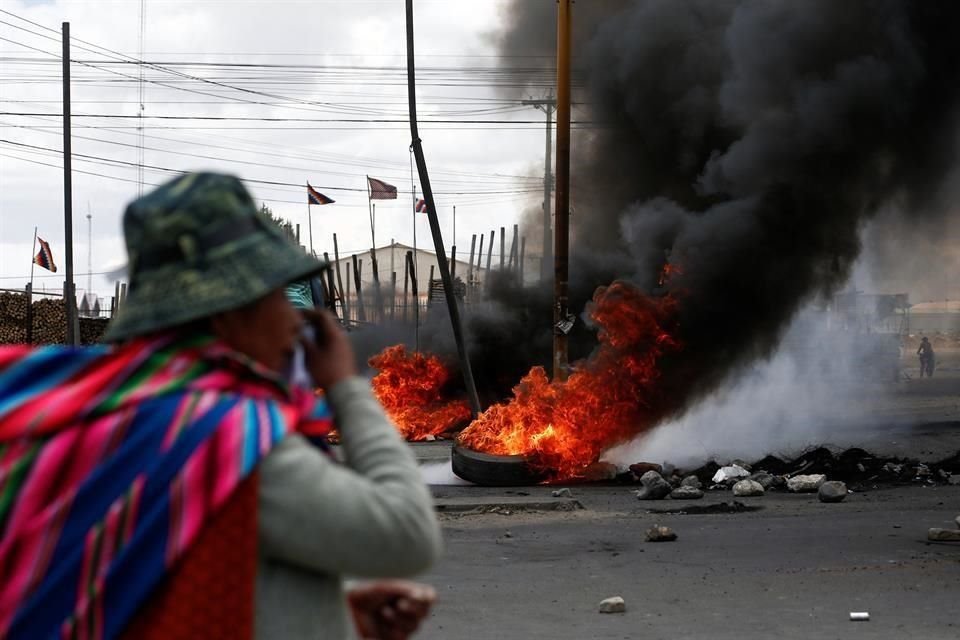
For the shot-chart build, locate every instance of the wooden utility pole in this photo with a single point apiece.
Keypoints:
(473, 250)
(548, 105)
(503, 244)
(331, 287)
(361, 312)
(69, 292)
(416, 299)
(344, 295)
(523, 255)
(562, 320)
(435, 222)
(406, 290)
(490, 252)
(393, 295)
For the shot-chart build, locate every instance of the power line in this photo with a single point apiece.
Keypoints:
(112, 161)
(124, 116)
(257, 164)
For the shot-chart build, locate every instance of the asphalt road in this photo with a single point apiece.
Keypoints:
(795, 568)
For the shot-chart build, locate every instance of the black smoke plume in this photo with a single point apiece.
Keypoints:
(746, 142)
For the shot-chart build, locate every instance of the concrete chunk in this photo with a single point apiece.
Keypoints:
(659, 533)
(731, 472)
(748, 489)
(613, 605)
(686, 493)
(944, 535)
(832, 491)
(654, 487)
(806, 484)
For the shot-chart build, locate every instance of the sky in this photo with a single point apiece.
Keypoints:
(288, 92)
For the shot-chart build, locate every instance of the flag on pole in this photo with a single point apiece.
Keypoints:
(315, 197)
(44, 257)
(380, 190)
(421, 205)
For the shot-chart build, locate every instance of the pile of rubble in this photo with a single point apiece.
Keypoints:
(831, 476)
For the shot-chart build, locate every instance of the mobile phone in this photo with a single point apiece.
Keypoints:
(297, 373)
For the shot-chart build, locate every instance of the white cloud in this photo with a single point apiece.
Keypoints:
(340, 36)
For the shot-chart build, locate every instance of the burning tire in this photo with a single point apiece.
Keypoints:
(493, 471)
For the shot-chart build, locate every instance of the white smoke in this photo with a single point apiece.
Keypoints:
(440, 473)
(818, 388)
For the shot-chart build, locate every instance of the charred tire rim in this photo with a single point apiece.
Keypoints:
(493, 471)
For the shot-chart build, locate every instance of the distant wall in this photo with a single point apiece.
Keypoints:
(935, 322)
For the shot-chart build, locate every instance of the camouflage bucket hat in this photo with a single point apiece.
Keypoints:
(197, 246)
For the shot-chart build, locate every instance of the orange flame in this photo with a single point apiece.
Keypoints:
(565, 426)
(409, 387)
(669, 270)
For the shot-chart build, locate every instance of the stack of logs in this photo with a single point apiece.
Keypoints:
(49, 321)
(13, 318)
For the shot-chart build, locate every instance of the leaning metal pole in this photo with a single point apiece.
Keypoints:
(69, 291)
(434, 221)
(562, 321)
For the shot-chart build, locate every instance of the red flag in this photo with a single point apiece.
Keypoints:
(421, 206)
(44, 257)
(380, 190)
(315, 197)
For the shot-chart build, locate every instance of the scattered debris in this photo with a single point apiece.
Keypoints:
(732, 472)
(943, 535)
(772, 464)
(562, 493)
(859, 616)
(748, 489)
(892, 469)
(766, 480)
(806, 484)
(858, 468)
(709, 509)
(613, 605)
(654, 487)
(659, 533)
(600, 472)
(691, 481)
(641, 468)
(686, 493)
(832, 491)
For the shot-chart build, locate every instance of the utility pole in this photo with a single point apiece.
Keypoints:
(69, 292)
(442, 263)
(562, 320)
(548, 105)
(89, 250)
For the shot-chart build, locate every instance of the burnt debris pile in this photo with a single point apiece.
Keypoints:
(860, 470)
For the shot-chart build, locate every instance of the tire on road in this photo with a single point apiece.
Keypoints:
(493, 471)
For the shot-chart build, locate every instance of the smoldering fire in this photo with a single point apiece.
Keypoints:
(748, 142)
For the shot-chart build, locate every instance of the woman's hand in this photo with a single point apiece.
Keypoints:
(329, 355)
(390, 609)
